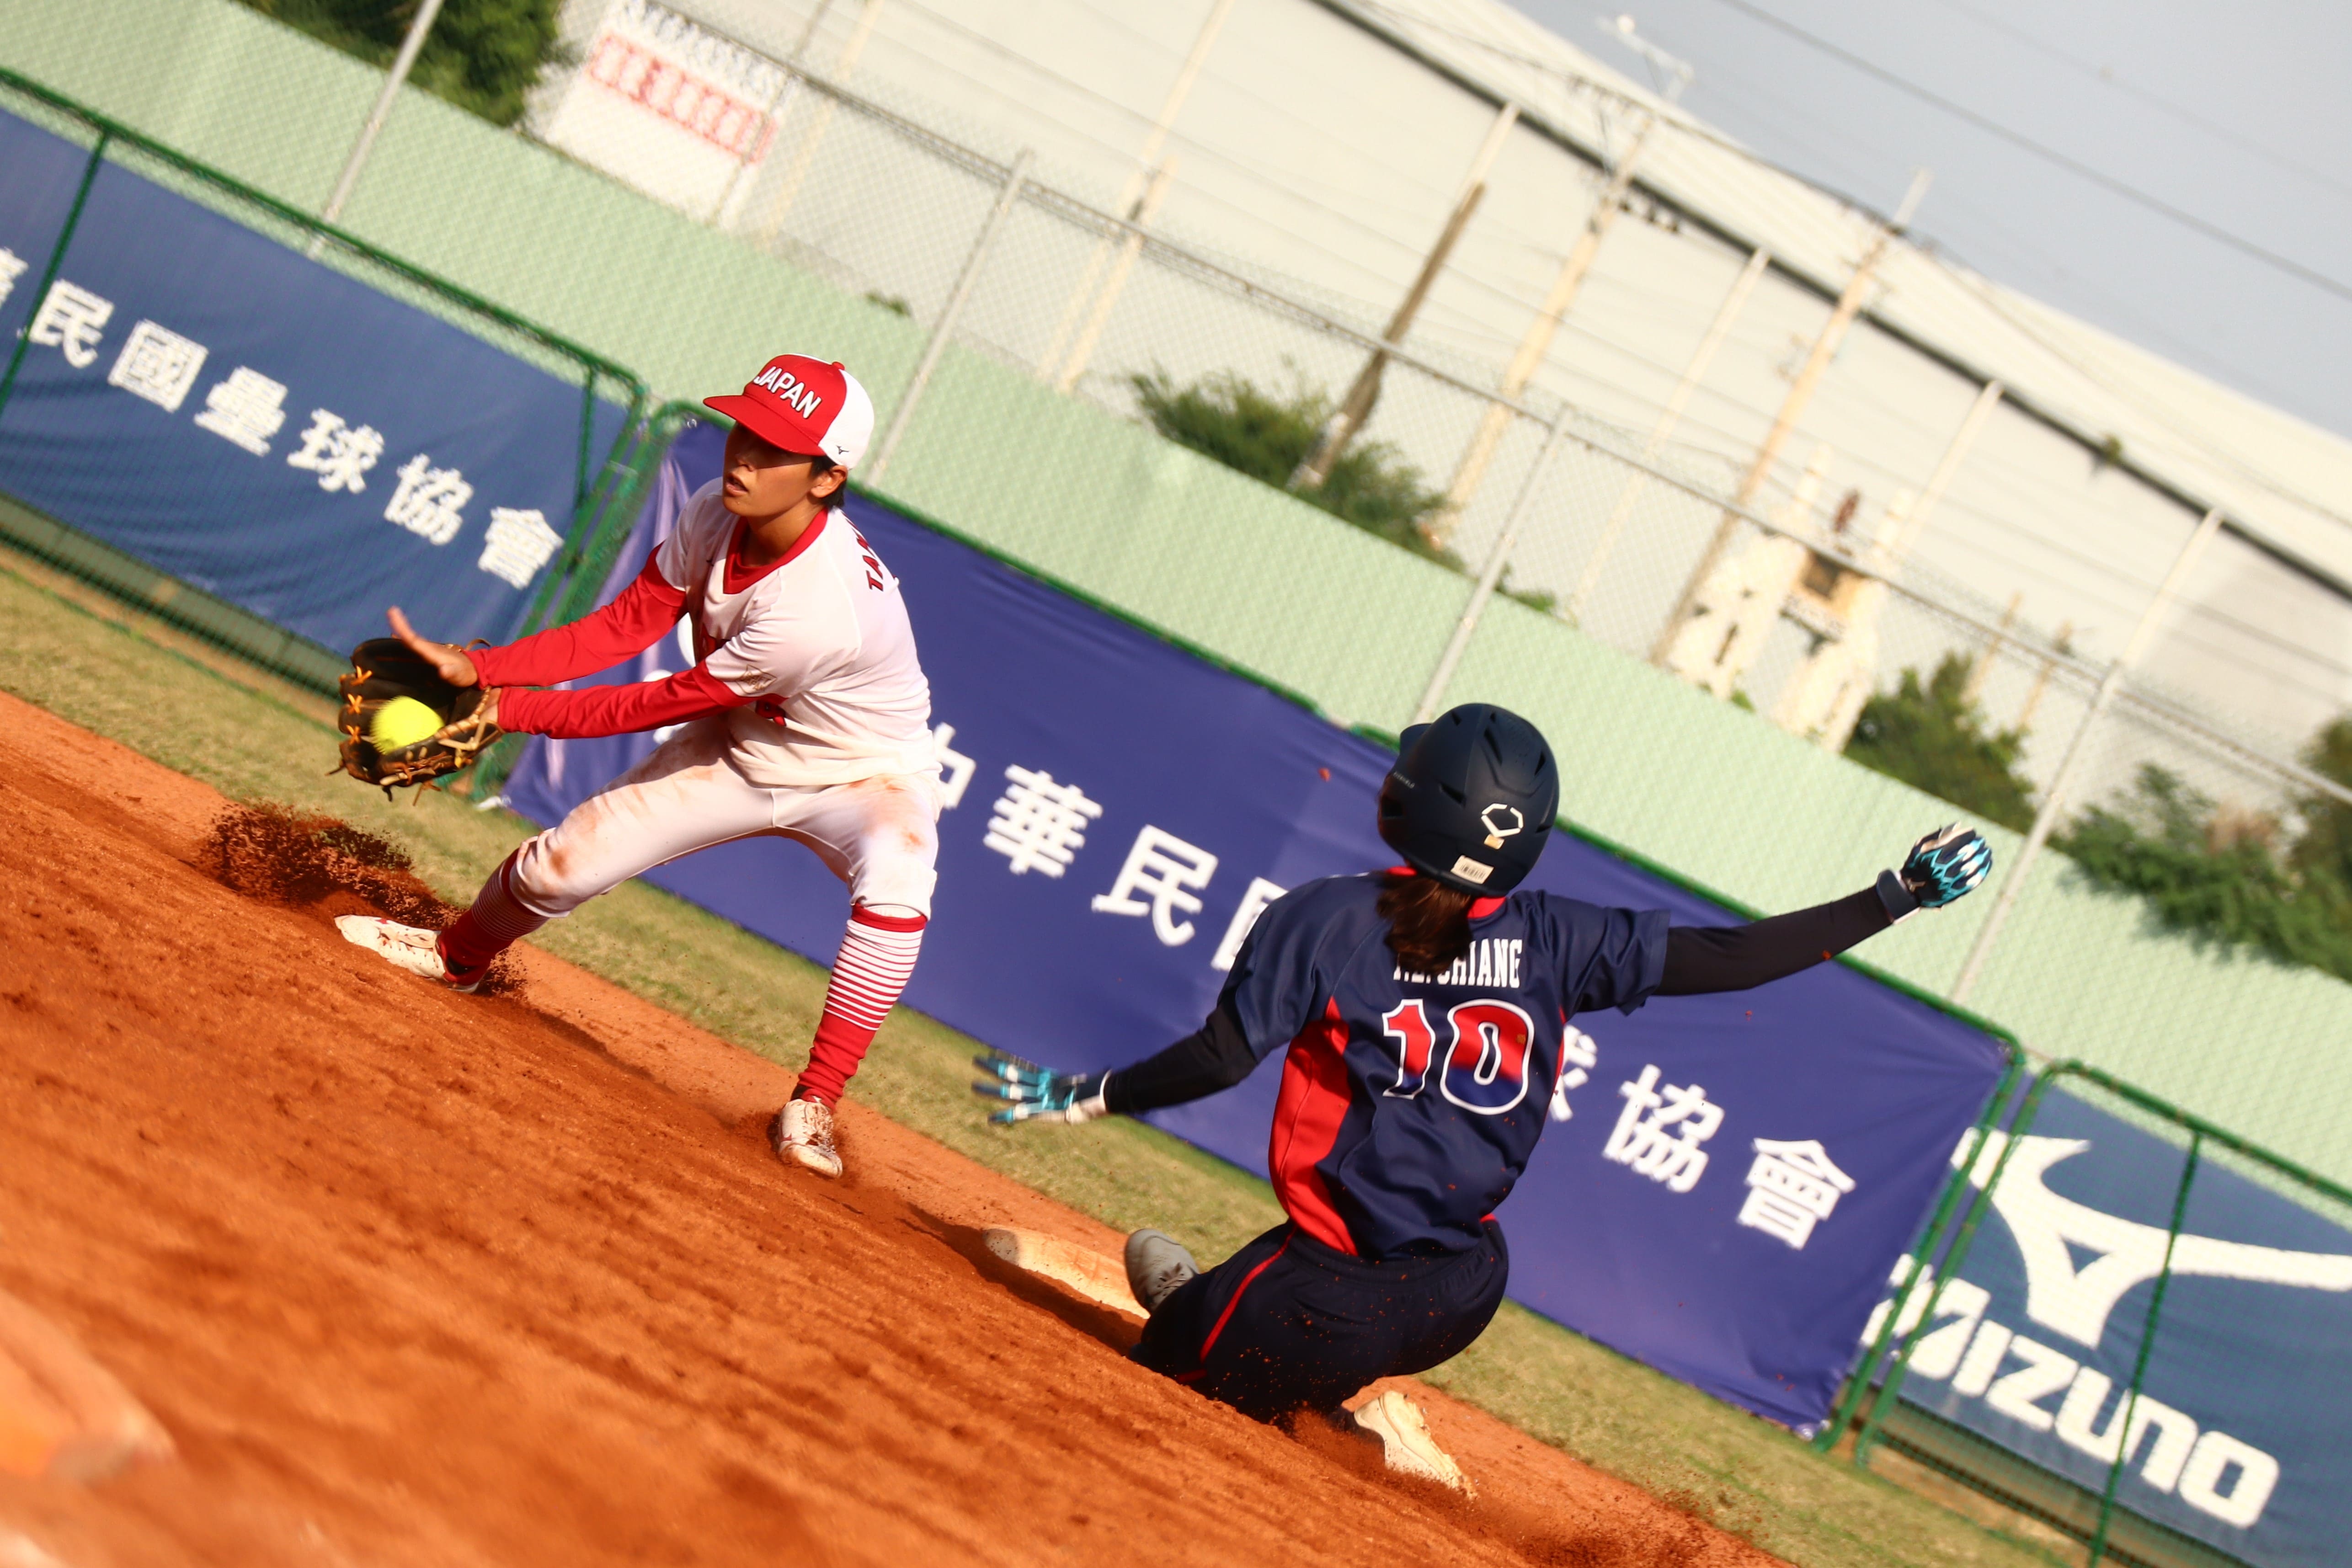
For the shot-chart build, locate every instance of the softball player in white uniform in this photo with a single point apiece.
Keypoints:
(806, 715)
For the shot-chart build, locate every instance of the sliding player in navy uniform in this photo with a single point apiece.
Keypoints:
(1424, 1009)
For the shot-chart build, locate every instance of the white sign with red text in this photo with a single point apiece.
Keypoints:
(681, 113)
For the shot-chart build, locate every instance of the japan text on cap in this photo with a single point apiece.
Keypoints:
(802, 405)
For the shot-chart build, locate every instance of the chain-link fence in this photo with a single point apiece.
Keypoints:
(1094, 303)
(169, 324)
(1028, 350)
(1023, 293)
(1013, 336)
(2130, 1330)
(1020, 292)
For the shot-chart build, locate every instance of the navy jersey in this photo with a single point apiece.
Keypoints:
(1411, 1103)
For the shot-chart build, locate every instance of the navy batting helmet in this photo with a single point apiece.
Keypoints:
(1472, 798)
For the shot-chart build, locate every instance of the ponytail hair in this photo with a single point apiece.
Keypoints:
(1429, 922)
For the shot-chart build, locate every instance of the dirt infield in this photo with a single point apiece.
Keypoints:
(417, 1278)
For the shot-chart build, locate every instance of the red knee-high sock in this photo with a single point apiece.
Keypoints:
(877, 954)
(495, 923)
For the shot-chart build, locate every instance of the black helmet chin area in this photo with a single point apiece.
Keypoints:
(1472, 798)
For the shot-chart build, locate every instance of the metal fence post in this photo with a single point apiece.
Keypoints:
(1918, 1288)
(2146, 1347)
(1497, 559)
(1955, 1257)
(2053, 799)
(57, 260)
(1121, 267)
(410, 46)
(1669, 417)
(941, 330)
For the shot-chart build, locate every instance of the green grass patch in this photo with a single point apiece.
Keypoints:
(1557, 1387)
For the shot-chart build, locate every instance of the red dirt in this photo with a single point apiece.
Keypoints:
(419, 1277)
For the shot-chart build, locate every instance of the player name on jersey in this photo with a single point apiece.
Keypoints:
(1491, 961)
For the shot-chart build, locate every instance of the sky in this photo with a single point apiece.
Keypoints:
(2236, 115)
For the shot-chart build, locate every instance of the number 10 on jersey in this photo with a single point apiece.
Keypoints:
(1480, 1056)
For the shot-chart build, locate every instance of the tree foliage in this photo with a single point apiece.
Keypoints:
(482, 55)
(2325, 848)
(1934, 738)
(1264, 434)
(2219, 874)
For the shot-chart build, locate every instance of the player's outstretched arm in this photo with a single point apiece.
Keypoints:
(1216, 1057)
(1944, 866)
(638, 617)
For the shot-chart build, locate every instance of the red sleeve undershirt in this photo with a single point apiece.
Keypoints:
(636, 620)
(616, 709)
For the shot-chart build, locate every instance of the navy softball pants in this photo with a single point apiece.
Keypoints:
(1288, 1323)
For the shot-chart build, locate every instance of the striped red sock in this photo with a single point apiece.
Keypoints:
(877, 955)
(495, 923)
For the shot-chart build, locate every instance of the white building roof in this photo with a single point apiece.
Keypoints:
(2283, 483)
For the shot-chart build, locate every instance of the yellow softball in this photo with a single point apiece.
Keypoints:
(400, 723)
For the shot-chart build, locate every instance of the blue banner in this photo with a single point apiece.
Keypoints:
(2241, 1430)
(264, 427)
(1728, 1180)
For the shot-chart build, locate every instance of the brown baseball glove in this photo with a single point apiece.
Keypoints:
(383, 672)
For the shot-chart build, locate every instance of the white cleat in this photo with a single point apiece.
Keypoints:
(1403, 1436)
(412, 948)
(803, 1134)
(1156, 1268)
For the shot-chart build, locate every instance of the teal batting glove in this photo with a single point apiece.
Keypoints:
(1949, 864)
(1039, 1093)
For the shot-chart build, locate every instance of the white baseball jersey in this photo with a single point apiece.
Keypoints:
(819, 638)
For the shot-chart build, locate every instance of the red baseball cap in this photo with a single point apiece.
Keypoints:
(802, 405)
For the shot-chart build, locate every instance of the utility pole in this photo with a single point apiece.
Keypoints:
(2053, 799)
(1471, 472)
(401, 64)
(804, 159)
(1668, 418)
(1668, 75)
(1357, 407)
(2063, 639)
(1129, 248)
(780, 104)
(1792, 408)
(1145, 187)
(1981, 667)
(1946, 467)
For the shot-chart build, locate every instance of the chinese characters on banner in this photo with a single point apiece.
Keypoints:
(1662, 1133)
(274, 430)
(1040, 825)
(245, 409)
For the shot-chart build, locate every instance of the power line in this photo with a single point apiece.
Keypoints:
(1479, 329)
(2049, 155)
(2107, 77)
(1406, 24)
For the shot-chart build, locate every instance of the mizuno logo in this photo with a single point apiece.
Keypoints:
(2041, 1388)
(2051, 1230)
